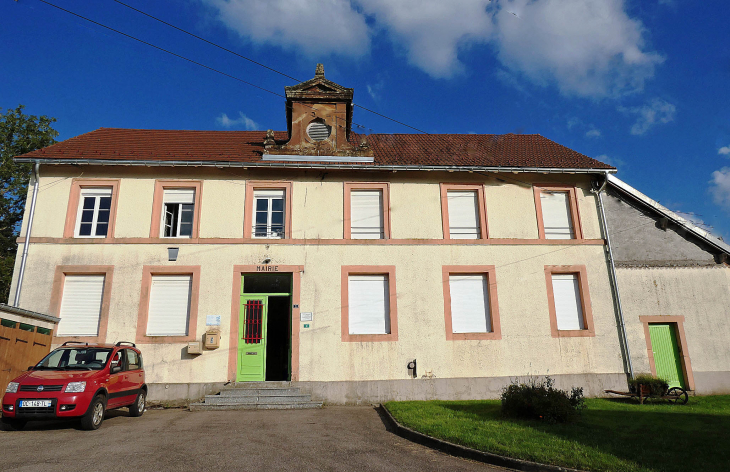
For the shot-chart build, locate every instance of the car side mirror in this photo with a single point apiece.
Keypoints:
(116, 368)
(31, 367)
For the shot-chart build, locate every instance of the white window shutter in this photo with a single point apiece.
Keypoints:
(556, 218)
(568, 309)
(463, 214)
(368, 304)
(469, 304)
(179, 195)
(366, 214)
(169, 305)
(81, 305)
(269, 193)
(96, 192)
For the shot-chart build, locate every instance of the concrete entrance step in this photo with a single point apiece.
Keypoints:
(254, 406)
(258, 396)
(281, 399)
(268, 383)
(243, 392)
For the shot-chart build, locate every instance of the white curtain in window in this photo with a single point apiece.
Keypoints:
(568, 309)
(556, 215)
(368, 304)
(81, 305)
(169, 307)
(366, 214)
(463, 214)
(179, 195)
(469, 304)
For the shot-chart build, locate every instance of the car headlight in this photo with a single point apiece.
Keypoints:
(12, 387)
(75, 387)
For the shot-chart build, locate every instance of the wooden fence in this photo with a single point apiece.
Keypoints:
(21, 346)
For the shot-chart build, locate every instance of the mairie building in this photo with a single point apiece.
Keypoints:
(359, 267)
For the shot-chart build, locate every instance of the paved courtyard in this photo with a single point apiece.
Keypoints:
(333, 438)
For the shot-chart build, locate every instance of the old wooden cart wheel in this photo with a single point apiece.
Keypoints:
(678, 395)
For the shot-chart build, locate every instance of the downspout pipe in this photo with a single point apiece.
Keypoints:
(614, 281)
(24, 258)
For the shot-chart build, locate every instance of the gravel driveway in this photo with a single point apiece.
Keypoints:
(332, 438)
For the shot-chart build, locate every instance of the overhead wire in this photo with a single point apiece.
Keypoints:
(180, 56)
(200, 64)
(254, 61)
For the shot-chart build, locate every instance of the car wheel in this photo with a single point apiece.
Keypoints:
(137, 408)
(95, 414)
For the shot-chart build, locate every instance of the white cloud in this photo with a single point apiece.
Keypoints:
(242, 121)
(612, 161)
(432, 31)
(720, 187)
(374, 90)
(655, 112)
(588, 48)
(724, 151)
(591, 130)
(313, 26)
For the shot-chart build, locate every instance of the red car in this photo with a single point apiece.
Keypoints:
(78, 380)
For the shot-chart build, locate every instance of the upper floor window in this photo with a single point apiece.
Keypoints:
(179, 212)
(557, 213)
(92, 219)
(176, 209)
(270, 212)
(91, 209)
(463, 211)
(367, 211)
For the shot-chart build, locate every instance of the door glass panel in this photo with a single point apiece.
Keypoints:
(253, 328)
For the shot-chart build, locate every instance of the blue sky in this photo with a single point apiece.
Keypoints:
(642, 85)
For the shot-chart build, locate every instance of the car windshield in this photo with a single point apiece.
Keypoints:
(75, 358)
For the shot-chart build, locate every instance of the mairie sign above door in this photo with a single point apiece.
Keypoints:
(252, 339)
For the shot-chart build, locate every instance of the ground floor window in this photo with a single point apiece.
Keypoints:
(169, 305)
(81, 305)
(569, 303)
(368, 303)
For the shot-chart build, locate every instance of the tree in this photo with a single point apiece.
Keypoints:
(19, 134)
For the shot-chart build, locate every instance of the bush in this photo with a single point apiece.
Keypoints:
(540, 400)
(658, 386)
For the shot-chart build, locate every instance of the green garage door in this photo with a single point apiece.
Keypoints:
(667, 358)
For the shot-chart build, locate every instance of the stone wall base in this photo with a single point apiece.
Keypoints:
(712, 383)
(379, 391)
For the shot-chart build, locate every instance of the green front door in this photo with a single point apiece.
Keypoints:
(252, 339)
(667, 358)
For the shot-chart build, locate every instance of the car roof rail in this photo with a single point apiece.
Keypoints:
(125, 342)
(75, 342)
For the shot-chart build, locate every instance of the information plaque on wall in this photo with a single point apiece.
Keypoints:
(213, 320)
(305, 316)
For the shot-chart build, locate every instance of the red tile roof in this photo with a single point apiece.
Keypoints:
(508, 150)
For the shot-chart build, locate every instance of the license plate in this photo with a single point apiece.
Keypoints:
(35, 403)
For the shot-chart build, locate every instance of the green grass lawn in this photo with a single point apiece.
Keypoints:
(611, 435)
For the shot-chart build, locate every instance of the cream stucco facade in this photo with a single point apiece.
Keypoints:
(416, 248)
